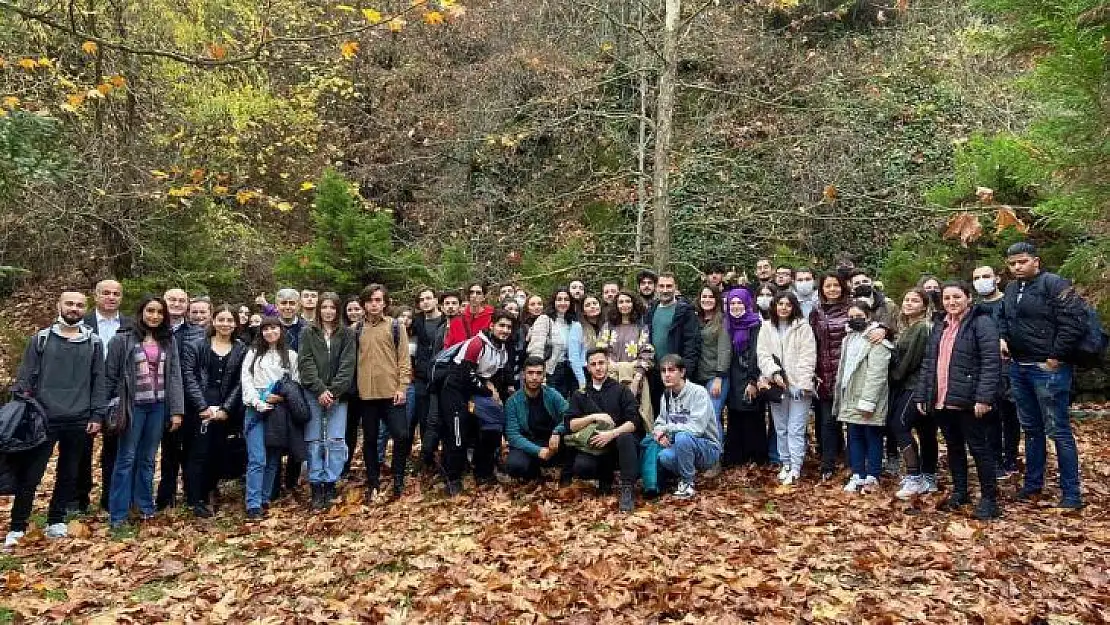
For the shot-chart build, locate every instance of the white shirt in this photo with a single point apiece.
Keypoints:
(267, 370)
(106, 328)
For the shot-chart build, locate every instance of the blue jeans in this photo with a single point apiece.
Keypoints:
(133, 476)
(865, 449)
(327, 450)
(688, 454)
(254, 433)
(1042, 399)
(719, 401)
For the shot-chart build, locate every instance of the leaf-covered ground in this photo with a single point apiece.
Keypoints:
(745, 549)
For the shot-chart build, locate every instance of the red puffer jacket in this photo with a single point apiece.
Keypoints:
(829, 321)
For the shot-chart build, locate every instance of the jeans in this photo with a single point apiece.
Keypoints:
(963, 431)
(719, 401)
(29, 466)
(270, 473)
(1042, 399)
(133, 477)
(790, 416)
(865, 449)
(327, 448)
(254, 433)
(687, 454)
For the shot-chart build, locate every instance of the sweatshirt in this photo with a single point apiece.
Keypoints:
(67, 378)
(689, 411)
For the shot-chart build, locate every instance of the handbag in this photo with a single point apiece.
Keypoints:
(776, 392)
(118, 418)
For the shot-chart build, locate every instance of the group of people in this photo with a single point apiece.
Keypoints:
(626, 387)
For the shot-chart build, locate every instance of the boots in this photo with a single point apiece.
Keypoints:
(628, 496)
(329, 494)
(317, 496)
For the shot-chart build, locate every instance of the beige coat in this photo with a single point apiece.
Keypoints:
(797, 351)
(862, 380)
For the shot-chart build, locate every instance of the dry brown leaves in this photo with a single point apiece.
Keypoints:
(743, 550)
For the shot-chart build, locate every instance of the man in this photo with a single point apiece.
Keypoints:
(715, 275)
(673, 328)
(1042, 323)
(805, 289)
(104, 321)
(429, 327)
(985, 281)
(177, 303)
(784, 277)
(475, 318)
(645, 284)
(200, 312)
(764, 276)
(451, 303)
(577, 290)
(686, 428)
(173, 452)
(884, 311)
(506, 292)
(309, 301)
(383, 374)
(63, 369)
(609, 292)
(288, 301)
(534, 425)
(612, 409)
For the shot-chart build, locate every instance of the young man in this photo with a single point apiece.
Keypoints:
(673, 328)
(805, 289)
(173, 452)
(715, 275)
(507, 291)
(764, 276)
(309, 301)
(1005, 443)
(479, 375)
(476, 317)
(612, 406)
(609, 292)
(105, 321)
(645, 284)
(686, 428)
(884, 311)
(451, 303)
(784, 277)
(429, 327)
(1042, 323)
(384, 372)
(534, 425)
(63, 369)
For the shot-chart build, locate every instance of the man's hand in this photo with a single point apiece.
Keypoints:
(273, 399)
(921, 408)
(261, 300)
(554, 442)
(715, 388)
(175, 422)
(603, 419)
(399, 397)
(218, 414)
(326, 399)
(876, 336)
(866, 414)
(92, 428)
(602, 439)
(546, 453)
(778, 380)
(1052, 364)
(264, 407)
(981, 409)
(1004, 348)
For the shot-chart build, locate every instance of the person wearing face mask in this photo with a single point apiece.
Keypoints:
(764, 297)
(931, 286)
(63, 369)
(805, 289)
(883, 310)
(861, 399)
(1008, 436)
(829, 321)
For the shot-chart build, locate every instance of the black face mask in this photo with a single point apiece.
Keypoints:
(934, 297)
(864, 290)
(857, 324)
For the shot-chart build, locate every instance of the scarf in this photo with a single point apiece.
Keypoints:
(740, 328)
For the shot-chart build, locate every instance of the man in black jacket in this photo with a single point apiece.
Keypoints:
(674, 328)
(612, 406)
(1041, 325)
(429, 327)
(174, 442)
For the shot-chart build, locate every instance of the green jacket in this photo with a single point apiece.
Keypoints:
(862, 382)
(910, 346)
(322, 369)
(516, 418)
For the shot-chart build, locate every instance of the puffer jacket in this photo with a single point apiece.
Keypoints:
(973, 369)
(1046, 321)
(863, 380)
(797, 352)
(829, 321)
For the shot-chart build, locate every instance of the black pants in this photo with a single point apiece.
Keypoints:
(85, 470)
(903, 420)
(830, 434)
(459, 427)
(202, 466)
(563, 380)
(623, 453)
(174, 452)
(372, 413)
(524, 466)
(430, 429)
(655, 388)
(29, 466)
(354, 424)
(745, 435)
(1006, 435)
(963, 431)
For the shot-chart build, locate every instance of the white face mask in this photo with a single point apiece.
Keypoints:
(804, 287)
(984, 286)
(764, 302)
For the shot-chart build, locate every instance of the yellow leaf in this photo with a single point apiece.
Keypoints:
(94, 94)
(45, 62)
(185, 191)
(10, 102)
(75, 100)
(89, 47)
(348, 49)
(606, 46)
(396, 25)
(244, 196)
(433, 17)
(104, 88)
(372, 16)
(307, 186)
(284, 207)
(28, 64)
(159, 174)
(344, 7)
(219, 190)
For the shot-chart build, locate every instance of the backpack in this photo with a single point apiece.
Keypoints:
(1091, 350)
(444, 364)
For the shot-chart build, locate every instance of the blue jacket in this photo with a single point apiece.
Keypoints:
(516, 418)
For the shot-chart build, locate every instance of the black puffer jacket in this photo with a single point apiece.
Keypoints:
(195, 358)
(684, 336)
(1048, 321)
(973, 368)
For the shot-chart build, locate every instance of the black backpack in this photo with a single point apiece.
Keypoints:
(444, 364)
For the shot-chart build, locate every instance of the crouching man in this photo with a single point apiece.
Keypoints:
(686, 427)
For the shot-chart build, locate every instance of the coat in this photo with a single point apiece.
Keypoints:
(684, 336)
(829, 321)
(743, 370)
(973, 369)
(516, 418)
(324, 368)
(121, 363)
(194, 376)
(863, 380)
(797, 352)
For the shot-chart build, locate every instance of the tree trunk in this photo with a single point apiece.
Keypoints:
(661, 236)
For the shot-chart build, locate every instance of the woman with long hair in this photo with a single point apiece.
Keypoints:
(142, 368)
(627, 342)
(829, 320)
(920, 460)
(716, 349)
(352, 312)
(557, 338)
(746, 436)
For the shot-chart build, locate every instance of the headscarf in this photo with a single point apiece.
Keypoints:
(739, 328)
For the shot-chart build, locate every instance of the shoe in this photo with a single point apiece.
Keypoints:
(605, 488)
(330, 494)
(317, 496)
(987, 509)
(255, 514)
(713, 471)
(202, 511)
(892, 466)
(1069, 504)
(870, 484)
(398, 489)
(685, 490)
(12, 539)
(1027, 494)
(954, 502)
(454, 488)
(790, 479)
(930, 482)
(565, 480)
(912, 486)
(853, 484)
(57, 530)
(628, 498)
(783, 472)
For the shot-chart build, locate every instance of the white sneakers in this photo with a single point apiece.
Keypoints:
(912, 486)
(853, 484)
(12, 540)
(784, 472)
(930, 482)
(685, 490)
(863, 485)
(788, 476)
(57, 530)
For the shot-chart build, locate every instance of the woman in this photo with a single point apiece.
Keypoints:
(327, 368)
(533, 308)
(861, 398)
(829, 320)
(265, 364)
(592, 319)
(959, 379)
(920, 460)
(352, 312)
(242, 323)
(931, 285)
(577, 289)
(746, 436)
(763, 300)
(210, 371)
(787, 355)
(557, 338)
(716, 350)
(626, 342)
(143, 369)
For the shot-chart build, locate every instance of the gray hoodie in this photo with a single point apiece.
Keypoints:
(66, 375)
(690, 411)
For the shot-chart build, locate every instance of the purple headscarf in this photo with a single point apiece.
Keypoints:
(739, 328)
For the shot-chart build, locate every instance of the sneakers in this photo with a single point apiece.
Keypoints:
(57, 530)
(954, 502)
(1027, 494)
(790, 478)
(254, 514)
(713, 471)
(912, 486)
(853, 484)
(685, 490)
(628, 498)
(12, 540)
(202, 511)
(783, 472)
(1069, 504)
(892, 466)
(869, 485)
(930, 482)
(827, 476)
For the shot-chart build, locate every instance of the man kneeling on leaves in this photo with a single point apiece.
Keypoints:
(686, 427)
(534, 425)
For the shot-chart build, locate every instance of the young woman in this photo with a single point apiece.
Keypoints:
(787, 355)
(931, 286)
(765, 297)
(557, 338)
(326, 364)
(577, 290)
(352, 312)
(958, 382)
(242, 323)
(920, 460)
(829, 320)
(210, 371)
(265, 364)
(861, 398)
(716, 349)
(746, 436)
(626, 342)
(533, 308)
(142, 368)
(592, 318)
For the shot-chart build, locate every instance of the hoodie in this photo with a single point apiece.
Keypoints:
(689, 411)
(67, 377)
